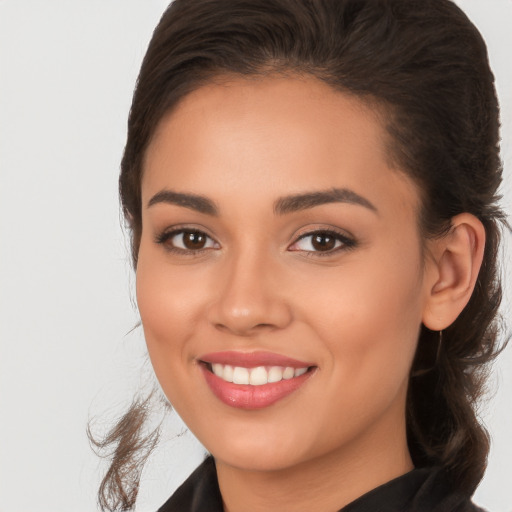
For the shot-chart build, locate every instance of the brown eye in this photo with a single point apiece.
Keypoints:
(194, 240)
(187, 241)
(323, 242)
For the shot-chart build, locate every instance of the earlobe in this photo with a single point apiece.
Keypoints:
(455, 264)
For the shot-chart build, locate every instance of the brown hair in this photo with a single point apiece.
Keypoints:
(426, 64)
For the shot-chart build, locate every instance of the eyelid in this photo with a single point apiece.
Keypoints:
(348, 241)
(176, 228)
(168, 233)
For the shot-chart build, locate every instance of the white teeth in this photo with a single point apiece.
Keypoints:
(275, 374)
(240, 375)
(256, 376)
(228, 373)
(288, 373)
(218, 369)
(300, 371)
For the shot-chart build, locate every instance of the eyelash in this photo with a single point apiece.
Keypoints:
(346, 243)
(164, 237)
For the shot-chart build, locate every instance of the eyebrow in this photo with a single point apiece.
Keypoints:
(282, 206)
(308, 200)
(192, 201)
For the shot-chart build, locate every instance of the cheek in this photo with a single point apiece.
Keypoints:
(369, 316)
(168, 304)
(160, 306)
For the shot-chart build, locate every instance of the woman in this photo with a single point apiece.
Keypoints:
(311, 190)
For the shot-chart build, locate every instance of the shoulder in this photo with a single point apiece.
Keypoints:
(420, 490)
(198, 493)
(436, 494)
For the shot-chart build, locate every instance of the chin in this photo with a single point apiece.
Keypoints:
(257, 460)
(264, 451)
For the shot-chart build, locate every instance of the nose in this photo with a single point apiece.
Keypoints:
(250, 298)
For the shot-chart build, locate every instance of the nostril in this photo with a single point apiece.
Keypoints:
(246, 329)
(248, 313)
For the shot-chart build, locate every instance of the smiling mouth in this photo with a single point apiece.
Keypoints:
(253, 381)
(256, 376)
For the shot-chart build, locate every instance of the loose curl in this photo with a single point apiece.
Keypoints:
(425, 66)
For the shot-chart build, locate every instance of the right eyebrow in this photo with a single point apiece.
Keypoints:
(195, 202)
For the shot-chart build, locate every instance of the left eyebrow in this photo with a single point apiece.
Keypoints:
(297, 202)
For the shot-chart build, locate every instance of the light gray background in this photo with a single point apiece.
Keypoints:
(67, 71)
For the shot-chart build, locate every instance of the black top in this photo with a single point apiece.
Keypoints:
(420, 490)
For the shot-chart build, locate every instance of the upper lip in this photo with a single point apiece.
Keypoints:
(252, 359)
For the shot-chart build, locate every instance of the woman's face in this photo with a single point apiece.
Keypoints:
(278, 240)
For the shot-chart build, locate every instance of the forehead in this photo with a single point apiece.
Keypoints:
(293, 107)
(271, 137)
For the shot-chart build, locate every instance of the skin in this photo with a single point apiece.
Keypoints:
(354, 312)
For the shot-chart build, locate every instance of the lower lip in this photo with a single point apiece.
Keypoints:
(245, 396)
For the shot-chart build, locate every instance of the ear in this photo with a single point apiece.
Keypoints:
(452, 271)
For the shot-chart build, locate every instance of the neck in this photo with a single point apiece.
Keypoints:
(325, 484)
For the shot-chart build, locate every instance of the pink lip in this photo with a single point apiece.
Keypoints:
(245, 396)
(253, 359)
